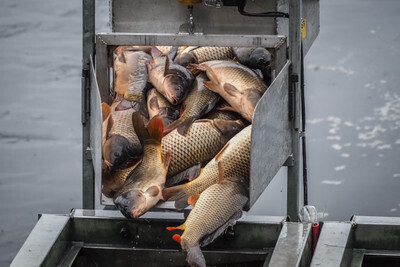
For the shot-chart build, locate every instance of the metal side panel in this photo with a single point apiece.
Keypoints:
(334, 247)
(293, 247)
(377, 233)
(270, 137)
(310, 20)
(95, 128)
(140, 16)
(46, 243)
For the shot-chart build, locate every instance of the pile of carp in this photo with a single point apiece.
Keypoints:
(179, 130)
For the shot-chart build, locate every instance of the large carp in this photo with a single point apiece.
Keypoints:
(235, 156)
(196, 54)
(215, 209)
(157, 104)
(142, 188)
(236, 83)
(170, 79)
(120, 142)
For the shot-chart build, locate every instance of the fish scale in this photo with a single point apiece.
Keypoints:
(201, 142)
(215, 206)
(122, 124)
(208, 53)
(236, 160)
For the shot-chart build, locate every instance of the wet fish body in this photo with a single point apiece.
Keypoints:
(195, 54)
(222, 110)
(236, 83)
(203, 140)
(120, 142)
(142, 188)
(158, 105)
(170, 79)
(113, 182)
(235, 156)
(199, 101)
(217, 207)
(130, 74)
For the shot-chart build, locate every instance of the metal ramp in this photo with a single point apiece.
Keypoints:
(364, 241)
(106, 238)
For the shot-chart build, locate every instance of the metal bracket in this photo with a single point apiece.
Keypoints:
(289, 161)
(191, 27)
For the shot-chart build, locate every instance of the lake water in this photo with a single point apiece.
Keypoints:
(353, 114)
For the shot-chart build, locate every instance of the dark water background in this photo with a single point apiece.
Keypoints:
(353, 110)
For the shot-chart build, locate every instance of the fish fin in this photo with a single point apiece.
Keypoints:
(231, 90)
(221, 171)
(121, 56)
(211, 237)
(153, 191)
(197, 68)
(123, 105)
(110, 123)
(193, 199)
(140, 107)
(221, 152)
(194, 255)
(227, 109)
(211, 86)
(177, 238)
(166, 67)
(155, 52)
(167, 159)
(172, 52)
(180, 125)
(156, 128)
(235, 59)
(190, 174)
(180, 227)
(178, 194)
(105, 110)
(204, 120)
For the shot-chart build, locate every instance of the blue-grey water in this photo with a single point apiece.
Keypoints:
(353, 114)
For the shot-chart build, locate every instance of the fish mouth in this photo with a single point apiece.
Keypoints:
(108, 165)
(131, 204)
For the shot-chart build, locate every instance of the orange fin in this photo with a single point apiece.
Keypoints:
(177, 238)
(105, 110)
(211, 86)
(180, 227)
(156, 128)
(110, 123)
(220, 152)
(193, 199)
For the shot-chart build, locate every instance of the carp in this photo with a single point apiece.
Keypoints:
(223, 111)
(235, 156)
(236, 83)
(199, 101)
(203, 140)
(158, 105)
(215, 209)
(196, 54)
(143, 187)
(130, 76)
(120, 142)
(170, 79)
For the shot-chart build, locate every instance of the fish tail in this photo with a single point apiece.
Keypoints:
(180, 125)
(194, 255)
(197, 68)
(154, 129)
(178, 194)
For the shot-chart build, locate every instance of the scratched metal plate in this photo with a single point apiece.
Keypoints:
(270, 137)
(95, 127)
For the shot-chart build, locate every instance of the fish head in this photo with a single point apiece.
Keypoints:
(261, 57)
(185, 59)
(228, 128)
(176, 85)
(134, 203)
(116, 151)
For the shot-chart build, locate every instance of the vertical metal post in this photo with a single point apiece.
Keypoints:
(88, 38)
(293, 183)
